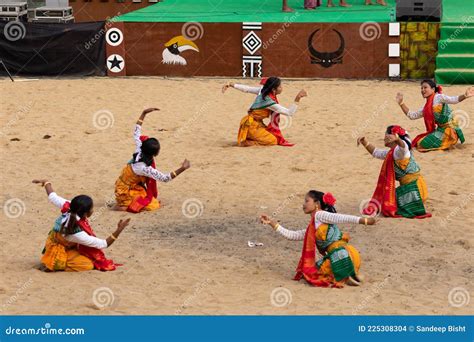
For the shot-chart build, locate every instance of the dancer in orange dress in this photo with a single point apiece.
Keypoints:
(340, 261)
(136, 188)
(72, 245)
(252, 130)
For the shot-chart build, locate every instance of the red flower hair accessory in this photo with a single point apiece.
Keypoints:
(329, 199)
(398, 130)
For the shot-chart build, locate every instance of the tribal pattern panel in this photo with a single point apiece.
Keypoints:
(251, 49)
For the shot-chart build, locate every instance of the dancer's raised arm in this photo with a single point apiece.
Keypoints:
(242, 87)
(368, 146)
(335, 218)
(53, 197)
(294, 235)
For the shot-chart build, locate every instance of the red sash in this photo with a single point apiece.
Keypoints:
(151, 191)
(307, 264)
(274, 126)
(97, 257)
(384, 198)
(428, 117)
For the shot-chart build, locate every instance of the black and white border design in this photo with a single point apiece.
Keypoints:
(251, 49)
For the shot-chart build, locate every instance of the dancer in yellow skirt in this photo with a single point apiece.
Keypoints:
(442, 130)
(340, 262)
(136, 187)
(252, 130)
(72, 245)
(399, 164)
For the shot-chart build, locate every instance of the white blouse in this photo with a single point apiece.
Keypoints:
(82, 237)
(141, 169)
(398, 154)
(438, 98)
(275, 107)
(320, 217)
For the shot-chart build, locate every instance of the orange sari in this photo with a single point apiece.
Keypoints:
(252, 130)
(62, 255)
(384, 199)
(324, 273)
(134, 192)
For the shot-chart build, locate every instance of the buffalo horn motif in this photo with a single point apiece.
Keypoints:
(326, 59)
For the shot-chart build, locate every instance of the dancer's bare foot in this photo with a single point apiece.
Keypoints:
(359, 278)
(382, 2)
(368, 2)
(117, 208)
(344, 4)
(352, 282)
(330, 4)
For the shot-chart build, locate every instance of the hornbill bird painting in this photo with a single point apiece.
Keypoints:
(326, 59)
(173, 48)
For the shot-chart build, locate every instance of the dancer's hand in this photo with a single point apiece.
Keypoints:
(264, 219)
(399, 98)
(469, 92)
(368, 221)
(121, 225)
(371, 221)
(149, 110)
(226, 86)
(40, 181)
(362, 140)
(186, 164)
(302, 93)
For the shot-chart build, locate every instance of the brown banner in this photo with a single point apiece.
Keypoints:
(184, 49)
(260, 49)
(327, 50)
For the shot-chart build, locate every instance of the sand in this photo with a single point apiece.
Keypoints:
(180, 264)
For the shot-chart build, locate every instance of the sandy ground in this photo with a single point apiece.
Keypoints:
(180, 264)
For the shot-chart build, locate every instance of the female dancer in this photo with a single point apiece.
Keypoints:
(399, 164)
(442, 131)
(252, 130)
(340, 261)
(136, 188)
(72, 244)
